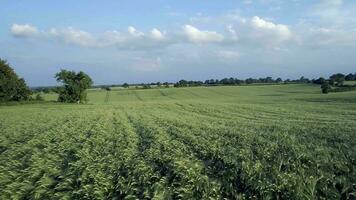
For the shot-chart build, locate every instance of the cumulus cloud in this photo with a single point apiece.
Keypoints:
(195, 35)
(132, 30)
(157, 34)
(232, 32)
(24, 30)
(265, 28)
(255, 29)
(132, 39)
(73, 36)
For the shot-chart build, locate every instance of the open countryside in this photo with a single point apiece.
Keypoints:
(178, 100)
(287, 141)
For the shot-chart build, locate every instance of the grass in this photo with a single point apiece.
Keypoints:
(259, 142)
(350, 82)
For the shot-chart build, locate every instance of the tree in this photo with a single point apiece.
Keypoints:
(319, 81)
(125, 85)
(350, 77)
(278, 80)
(75, 85)
(39, 97)
(146, 86)
(166, 84)
(303, 80)
(12, 88)
(181, 83)
(338, 79)
(325, 87)
(250, 81)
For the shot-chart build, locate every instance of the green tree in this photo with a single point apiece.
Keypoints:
(325, 87)
(319, 81)
(350, 77)
(75, 85)
(12, 88)
(166, 84)
(39, 97)
(125, 85)
(338, 79)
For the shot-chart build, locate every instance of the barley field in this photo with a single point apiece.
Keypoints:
(239, 142)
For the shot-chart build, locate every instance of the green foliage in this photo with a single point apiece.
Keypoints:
(12, 88)
(337, 79)
(146, 86)
(39, 97)
(255, 142)
(125, 85)
(325, 87)
(75, 85)
(344, 88)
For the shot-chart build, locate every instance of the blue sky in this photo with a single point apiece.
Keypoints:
(145, 41)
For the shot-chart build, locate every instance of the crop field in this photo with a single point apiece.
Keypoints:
(242, 142)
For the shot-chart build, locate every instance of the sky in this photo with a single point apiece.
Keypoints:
(136, 41)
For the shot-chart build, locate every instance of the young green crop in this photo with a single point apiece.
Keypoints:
(243, 142)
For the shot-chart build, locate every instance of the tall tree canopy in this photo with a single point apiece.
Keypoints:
(12, 88)
(337, 79)
(75, 85)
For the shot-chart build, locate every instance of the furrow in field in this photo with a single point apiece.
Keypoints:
(280, 149)
(164, 94)
(42, 160)
(233, 160)
(194, 94)
(205, 147)
(182, 173)
(15, 136)
(253, 115)
(137, 95)
(222, 94)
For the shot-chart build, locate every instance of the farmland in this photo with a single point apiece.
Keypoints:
(258, 142)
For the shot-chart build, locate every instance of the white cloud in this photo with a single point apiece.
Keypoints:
(73, 36)
(263, 28)
(232, 31)
(195, 35)
(24, 30)
(132, 30)
(157, 34)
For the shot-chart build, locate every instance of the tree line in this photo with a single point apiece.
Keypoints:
(75, 84)
(335, 83)
(236, 81)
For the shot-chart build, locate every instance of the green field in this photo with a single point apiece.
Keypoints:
(350, 82)
(255, 142)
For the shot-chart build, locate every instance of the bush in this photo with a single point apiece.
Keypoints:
(39, 97)
(344, 88)
(325, 88)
